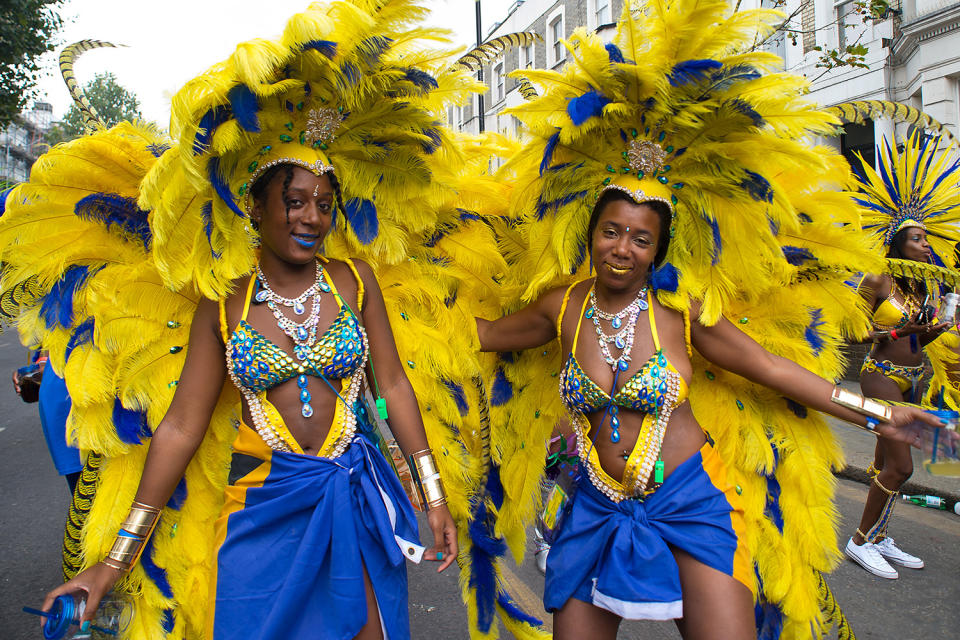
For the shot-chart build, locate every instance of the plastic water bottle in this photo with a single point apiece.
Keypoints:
(933, 502)
(63, 619)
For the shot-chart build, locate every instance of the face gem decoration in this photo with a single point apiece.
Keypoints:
(316, 191)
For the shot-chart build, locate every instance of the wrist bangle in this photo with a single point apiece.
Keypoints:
(893, 334)
(132, 536)
(427, 479)
(864, 406)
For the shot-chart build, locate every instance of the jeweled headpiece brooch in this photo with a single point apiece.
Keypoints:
(915, 187)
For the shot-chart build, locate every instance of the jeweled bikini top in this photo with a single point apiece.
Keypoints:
(259, 364)
(645, 391)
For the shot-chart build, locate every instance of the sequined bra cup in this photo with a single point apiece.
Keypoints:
(256, 364)
(655, 390)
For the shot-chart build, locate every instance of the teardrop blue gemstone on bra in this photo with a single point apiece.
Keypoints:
(616, 323)
(261, 296)
(298, 308)
(615, 436)
(324, 287)
(619, 342)
(662, 359)
(306, 411)
(622, 365)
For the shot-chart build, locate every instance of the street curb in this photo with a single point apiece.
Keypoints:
(859, 474)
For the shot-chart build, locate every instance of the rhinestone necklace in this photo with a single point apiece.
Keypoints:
(625, 321)
(303, 334)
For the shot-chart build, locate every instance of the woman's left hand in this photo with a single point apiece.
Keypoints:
(444, 547)
(907, 424)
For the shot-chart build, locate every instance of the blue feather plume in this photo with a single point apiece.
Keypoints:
(362, 216)
(542, 208)
(3, 200)
(156, 573)
(548, 151)
(511, 609)
(421, 79)
(130, 424)
(83, 334)
(459, 397)
(221, 187)
(747, 109)
(798, 409)
(56, 307)
(590, 104)
(114, 209)
(501, 391)
(797, 255)
(757, 186)
(326, 47)
(434, 143)
(717, 239)
(212, 119)
(168, 621)
(666, 277)
(614, 53)
(692, 71)
(245, 107)
(812, 334)
(179, 495)
(158, 149)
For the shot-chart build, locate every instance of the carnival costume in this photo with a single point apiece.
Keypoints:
(127, 230)
(914, 187)
(679, 109)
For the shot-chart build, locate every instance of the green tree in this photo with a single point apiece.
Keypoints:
(27, 31)
(111, 100)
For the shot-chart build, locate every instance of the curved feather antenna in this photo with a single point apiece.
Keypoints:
(490, 50)
(91, 119)
(832, 612)
(527, 90)
(859, 111)
(76, 517)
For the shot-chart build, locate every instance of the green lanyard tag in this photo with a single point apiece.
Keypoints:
(382, 409)
(658, 472)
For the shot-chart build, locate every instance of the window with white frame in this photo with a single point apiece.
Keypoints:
(601, 12)
(526, 56)
(555, 50)
(498, 81)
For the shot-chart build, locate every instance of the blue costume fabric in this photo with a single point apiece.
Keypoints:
(296, 533)
(54, 408)
(616, 555)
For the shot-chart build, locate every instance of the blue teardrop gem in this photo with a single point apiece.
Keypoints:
(304, 396)
(306, 411)
(302, 381)
(589, 313)
(622, 365)
(619, 342)
(298, 308)
(615, 436)
(615, 423)
(642, 303)
(302, 333)
(324, 287)
(616, 323)
(261, 295)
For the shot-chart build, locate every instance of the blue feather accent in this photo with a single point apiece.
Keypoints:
(590, 104)
(468, 215)
(507, 356)
(459, 397)
(221, 187)
(812, 334)
(421, 79)
(579, 258)
(212, 119)
(666, 277)
(245, 107)
(83, 334)
(769, 618)
(717, 239)
(543, 208)
(501, 391)
(168, 620)
(772, 509)
(798, 409)
(56, 307)
(373, 48)
(113, 209)
(130, 424)
(179, 495)
(362, 216)
(434, 143)
(746, 109)
(548, 151)
(486, 547)
(511, 609)
(206, 214)
(349, 76)
(692, 71)
(450, 300)
(156, 573)
(797, 255)
(729, 76)
(494, 486)
(614, 53)
(757, 186)
(158, 149)
(774, 225)
(3, 200)
(326, 47)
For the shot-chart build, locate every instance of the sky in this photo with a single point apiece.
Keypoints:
(170, 41)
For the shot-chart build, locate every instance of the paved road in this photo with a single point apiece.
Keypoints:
(33, 500)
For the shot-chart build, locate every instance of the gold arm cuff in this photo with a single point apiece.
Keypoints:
(141, 520)
(863, 406)
(125, 551)
(427, 478)
(113, 564)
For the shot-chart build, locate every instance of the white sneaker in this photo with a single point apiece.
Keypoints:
(895, 554)
(867, 556)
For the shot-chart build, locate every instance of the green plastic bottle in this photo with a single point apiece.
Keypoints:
(933, 502)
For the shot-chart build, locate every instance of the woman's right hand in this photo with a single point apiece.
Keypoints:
(96, 582)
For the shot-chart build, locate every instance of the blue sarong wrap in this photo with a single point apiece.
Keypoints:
(289, 565)
(616, 555)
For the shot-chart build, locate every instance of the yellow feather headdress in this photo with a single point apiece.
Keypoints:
(348, 88)
(916, 187)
